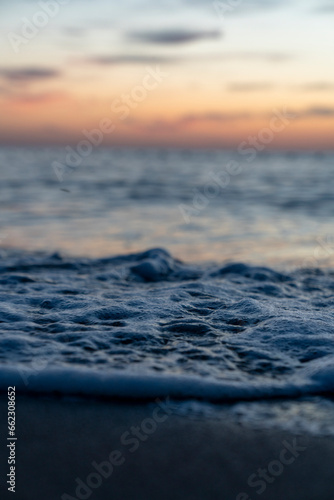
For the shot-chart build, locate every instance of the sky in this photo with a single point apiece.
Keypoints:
(173, 73)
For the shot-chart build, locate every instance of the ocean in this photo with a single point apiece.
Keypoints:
(199, 205)
(191, 274)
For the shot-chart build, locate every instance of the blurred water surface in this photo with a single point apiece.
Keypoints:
(274, 210)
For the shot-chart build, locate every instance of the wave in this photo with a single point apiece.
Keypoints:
(147, 325)
(316, 380)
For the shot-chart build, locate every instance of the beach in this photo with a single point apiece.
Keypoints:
(186, 457)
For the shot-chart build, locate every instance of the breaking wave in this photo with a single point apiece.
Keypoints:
(147, 325)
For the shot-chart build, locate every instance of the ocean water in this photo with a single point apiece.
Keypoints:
(232, 304)
(276, 210)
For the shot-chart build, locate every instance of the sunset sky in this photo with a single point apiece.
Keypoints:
(169, 73)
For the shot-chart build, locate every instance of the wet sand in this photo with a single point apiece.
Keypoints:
(148, 453)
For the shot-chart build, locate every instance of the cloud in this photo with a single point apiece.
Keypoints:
(173, 36)
(317, 86)
(317, 112)
(27, 74)
(128, 59)
(212, 116)
(37, 98)
(274, 57)
(119, 59)
(166, 126)
(221, 117)
(325, 8)
(249, 87)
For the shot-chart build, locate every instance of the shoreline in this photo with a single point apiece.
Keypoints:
(90, 449)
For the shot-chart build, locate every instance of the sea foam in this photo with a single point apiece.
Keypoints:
(147, 325)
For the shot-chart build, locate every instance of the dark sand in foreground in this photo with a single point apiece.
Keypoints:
(184, 458)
